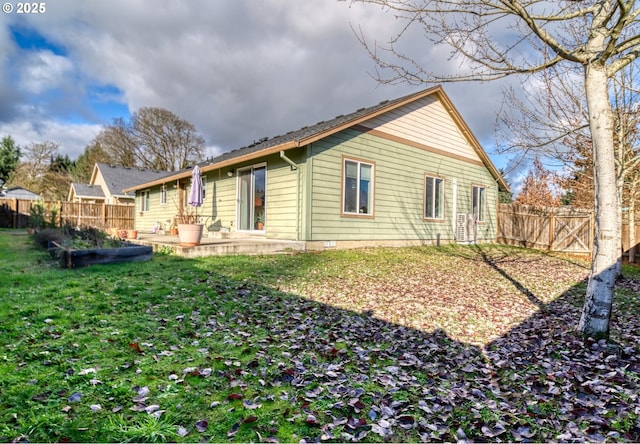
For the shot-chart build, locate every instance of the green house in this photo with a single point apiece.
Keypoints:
(403, 172)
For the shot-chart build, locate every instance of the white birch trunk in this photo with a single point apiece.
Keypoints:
(632, 223)
(619, 193)
(596, 312)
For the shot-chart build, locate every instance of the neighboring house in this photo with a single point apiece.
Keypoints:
(108, 183)
(83, 192)
(18, 193)
(404, 172)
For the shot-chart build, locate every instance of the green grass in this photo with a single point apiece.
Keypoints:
(251, 348)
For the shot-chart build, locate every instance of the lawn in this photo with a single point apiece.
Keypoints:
(433, 344)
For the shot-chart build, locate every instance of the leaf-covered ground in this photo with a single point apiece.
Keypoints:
(423, 344)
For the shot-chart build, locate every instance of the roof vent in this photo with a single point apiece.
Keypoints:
(264, 139)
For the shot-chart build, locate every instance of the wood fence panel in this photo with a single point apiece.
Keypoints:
(7, 211)
(555, 229)
(14, 213)
(120, 216)
(522, 225)
(625, 240)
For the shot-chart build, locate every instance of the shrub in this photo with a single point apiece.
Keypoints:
(45, 237)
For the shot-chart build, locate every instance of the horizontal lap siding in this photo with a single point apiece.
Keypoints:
(399, 182)
(425, 121)
(282, 217)
(223, 214)
(145, 221)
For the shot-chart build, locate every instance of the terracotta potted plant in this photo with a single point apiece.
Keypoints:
(259, 221)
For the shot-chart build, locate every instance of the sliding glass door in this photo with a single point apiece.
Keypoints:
(252, 185)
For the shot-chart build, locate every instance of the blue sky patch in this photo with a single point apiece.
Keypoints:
(31, 40)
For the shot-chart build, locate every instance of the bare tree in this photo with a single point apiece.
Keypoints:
(601, 36)
(155, 138)
(117, 141)
(164, 141)
(550, 119)
(35, 171)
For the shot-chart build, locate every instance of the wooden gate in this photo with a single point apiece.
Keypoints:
(568, 230)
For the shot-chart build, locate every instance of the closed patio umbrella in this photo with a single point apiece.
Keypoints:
(195, 194)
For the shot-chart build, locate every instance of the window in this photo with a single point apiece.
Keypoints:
(163, 195)
(357, 187)
(433, 197)
(477, 202)
(144, 200)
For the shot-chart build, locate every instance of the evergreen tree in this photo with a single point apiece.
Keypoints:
(9, 158)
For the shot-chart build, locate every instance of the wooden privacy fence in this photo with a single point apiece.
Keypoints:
(14, 213)
(568, 230)
(556, 229)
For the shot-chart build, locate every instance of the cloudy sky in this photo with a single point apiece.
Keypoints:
(238, 70)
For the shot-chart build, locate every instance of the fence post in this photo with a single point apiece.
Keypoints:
(15, 214)
(593, 231)
(551, 228)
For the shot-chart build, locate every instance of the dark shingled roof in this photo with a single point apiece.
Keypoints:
(293, 136)
(86, 190)
(119, 178)
(320, 129)
(302, 133)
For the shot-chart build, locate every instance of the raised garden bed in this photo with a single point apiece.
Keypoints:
(81, 257)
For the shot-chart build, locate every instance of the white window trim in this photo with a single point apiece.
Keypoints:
(163, 195)
(145, 203)
(482, 200)
(370, 214)
(434, 178)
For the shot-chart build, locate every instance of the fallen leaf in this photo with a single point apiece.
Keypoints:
(250, 405)
(136, 347)
(234, 429)
(182, 432)
(201, 425)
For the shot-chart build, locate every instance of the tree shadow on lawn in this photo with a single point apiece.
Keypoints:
(352, 376)
(338, 375)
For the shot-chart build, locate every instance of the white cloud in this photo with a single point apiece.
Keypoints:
(71, 138)
(44, 70)
(238, 70)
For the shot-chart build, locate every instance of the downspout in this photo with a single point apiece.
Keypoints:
(294, 167)
(284, 157)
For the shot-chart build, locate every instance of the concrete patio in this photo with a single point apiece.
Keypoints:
(218, 245)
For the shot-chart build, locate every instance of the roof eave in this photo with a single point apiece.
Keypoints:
(292, 143)
(345, 125)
